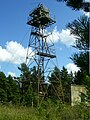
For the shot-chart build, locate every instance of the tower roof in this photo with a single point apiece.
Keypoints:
(39, 8)
(40, 17)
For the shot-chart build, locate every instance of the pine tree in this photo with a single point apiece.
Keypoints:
(77, 4)
(13, 91)
(3, 87)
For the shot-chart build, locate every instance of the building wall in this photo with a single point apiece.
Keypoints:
(76, 91)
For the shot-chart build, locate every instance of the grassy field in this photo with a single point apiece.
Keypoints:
(17, 113)
(52, 112)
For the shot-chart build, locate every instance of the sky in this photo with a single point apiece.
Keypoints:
(14, 33)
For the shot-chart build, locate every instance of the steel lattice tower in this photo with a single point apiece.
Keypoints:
(42, 50)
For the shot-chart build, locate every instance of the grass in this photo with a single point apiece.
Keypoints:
(51, 112)
(16, 113)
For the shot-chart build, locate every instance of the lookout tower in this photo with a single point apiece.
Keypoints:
(42, 48)
(40, 17)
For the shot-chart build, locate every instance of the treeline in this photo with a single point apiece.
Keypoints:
(24, 89)
(9, 89)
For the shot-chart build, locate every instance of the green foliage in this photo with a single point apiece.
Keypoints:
(3, 87)
(9, 89)
(79, 78)
(34, 79)
(66, 80)
(82, 61)
(87, 84)
(80, 29)
(24, 79)
(54, 88)
(13, 92)
(65, 77)
(77, 4)
(49, 111)
(60, 82)
(3, 95)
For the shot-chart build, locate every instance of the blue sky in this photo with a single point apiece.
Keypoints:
(14, 32)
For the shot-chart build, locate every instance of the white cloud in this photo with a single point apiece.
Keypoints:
(85, 13)
(12, 74)
(54, 36)
(13, 52)
(4, 54)
(64, 37)
(72, 67)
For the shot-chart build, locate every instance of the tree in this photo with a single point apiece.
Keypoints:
(77, 4)
(3, 87)
(66, 79)
(29, 85)
(13, 90)
(60, 82)
(24, 80)
(82, 61)
(9, 89)
(80, 29)
(79, 78)
(55, 87)
(87, 83)
(34, 80)
(34, 86)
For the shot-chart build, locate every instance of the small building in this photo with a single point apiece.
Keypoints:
(78, 94)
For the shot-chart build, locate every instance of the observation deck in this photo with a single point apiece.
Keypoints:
(40, 17)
